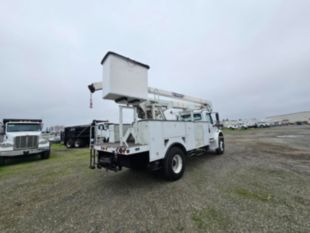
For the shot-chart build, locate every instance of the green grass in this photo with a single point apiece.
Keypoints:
(32, 164)
(210, 219)
(251, 195)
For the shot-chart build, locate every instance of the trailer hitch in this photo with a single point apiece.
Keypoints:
(110, 162)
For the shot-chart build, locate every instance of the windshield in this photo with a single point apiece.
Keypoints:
(187, 117)
(23, 127)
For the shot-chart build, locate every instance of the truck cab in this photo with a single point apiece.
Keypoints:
(21, 137)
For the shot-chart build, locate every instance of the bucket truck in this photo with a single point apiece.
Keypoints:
(152, 140)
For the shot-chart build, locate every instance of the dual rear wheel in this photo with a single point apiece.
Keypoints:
(74, 143)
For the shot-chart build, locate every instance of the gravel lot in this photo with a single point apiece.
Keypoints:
(260, 184)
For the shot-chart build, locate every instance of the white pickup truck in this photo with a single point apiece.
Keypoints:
(21, 137)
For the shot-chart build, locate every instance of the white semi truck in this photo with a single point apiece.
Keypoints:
(151, 140)
(20, 137)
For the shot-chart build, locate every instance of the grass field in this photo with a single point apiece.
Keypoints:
(260, 184)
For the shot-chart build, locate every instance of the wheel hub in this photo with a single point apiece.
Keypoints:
(222, 145)
(177, 163)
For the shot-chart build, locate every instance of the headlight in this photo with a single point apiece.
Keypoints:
(6, 144)
(44, 141)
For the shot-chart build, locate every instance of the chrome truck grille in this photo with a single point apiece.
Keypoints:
(26, 142)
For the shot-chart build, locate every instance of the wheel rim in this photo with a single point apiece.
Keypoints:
(222, 145)
(177, 163)
(77, 144)
(69, 144)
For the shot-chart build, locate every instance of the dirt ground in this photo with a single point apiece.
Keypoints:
(260, 184)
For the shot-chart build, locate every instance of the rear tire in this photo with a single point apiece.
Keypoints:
(69, 143)
(174, 164)
(78, 143)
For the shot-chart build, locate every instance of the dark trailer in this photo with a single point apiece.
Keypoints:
(79, 135)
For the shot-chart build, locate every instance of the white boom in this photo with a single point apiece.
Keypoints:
(175, 95)
(159, 92)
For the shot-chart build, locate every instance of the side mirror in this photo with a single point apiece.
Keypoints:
(218, 122)
(217, 116)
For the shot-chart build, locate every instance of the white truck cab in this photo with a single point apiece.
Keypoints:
(152, 140)
(21, 137)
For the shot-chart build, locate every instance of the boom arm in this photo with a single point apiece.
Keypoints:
(159, 92)
(178, 96)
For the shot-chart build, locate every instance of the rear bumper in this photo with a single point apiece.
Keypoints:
(23, 152)
(115, 162)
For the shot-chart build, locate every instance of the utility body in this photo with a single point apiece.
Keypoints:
(167, 126)
(20, 137)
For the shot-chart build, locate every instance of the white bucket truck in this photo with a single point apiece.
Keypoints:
(152, 140)
(22, 137)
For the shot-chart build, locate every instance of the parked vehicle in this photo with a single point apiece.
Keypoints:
(263, 124)
(54, 137)
(77, 136)
(152, 140)
(21, 137)
(80, 135)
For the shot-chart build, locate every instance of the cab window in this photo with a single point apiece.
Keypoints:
(209, 118)
(188, 117)
(197, 117)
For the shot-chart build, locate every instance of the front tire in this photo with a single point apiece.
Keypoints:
(174, 164)
(45, 155)
(221, 147)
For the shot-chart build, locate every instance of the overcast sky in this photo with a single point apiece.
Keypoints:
(250, 58)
